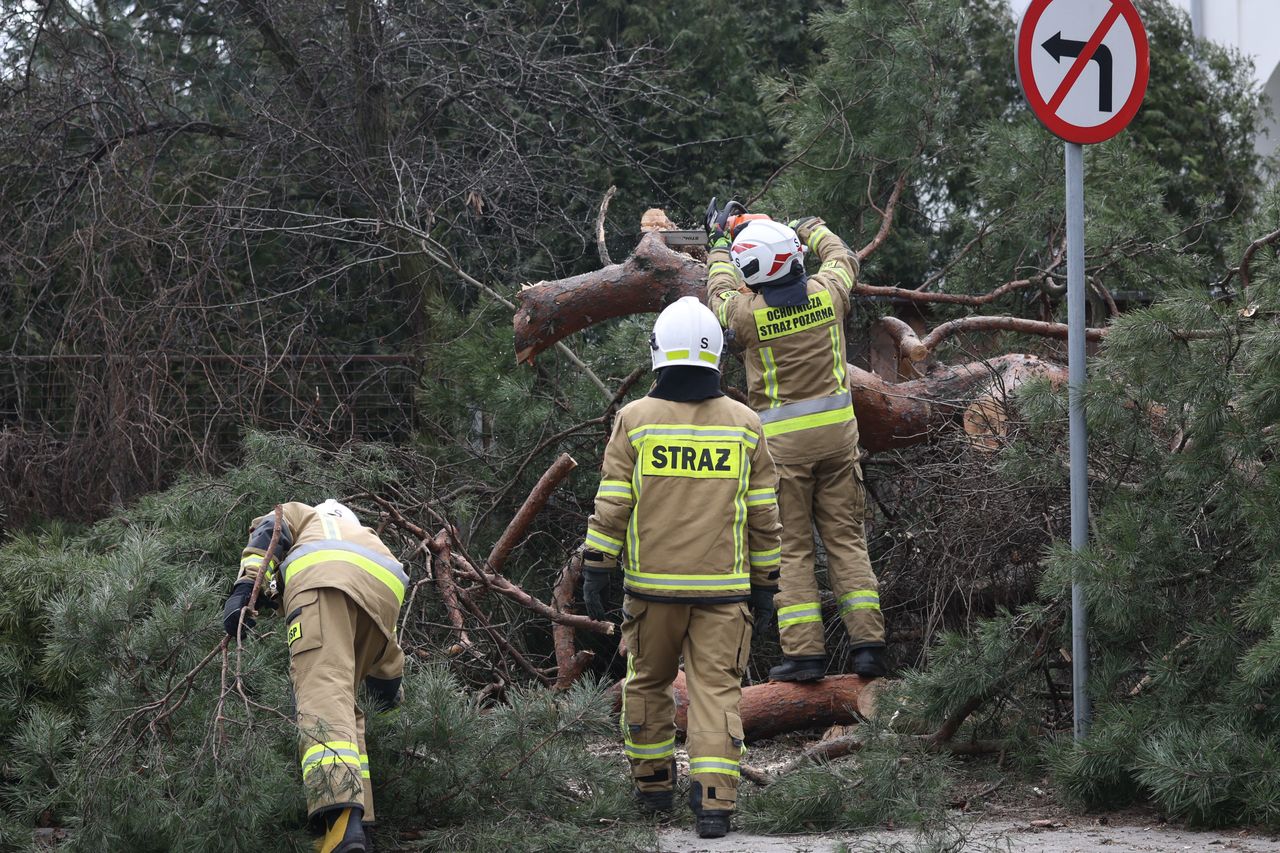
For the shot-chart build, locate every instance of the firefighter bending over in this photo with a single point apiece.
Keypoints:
(342, 590)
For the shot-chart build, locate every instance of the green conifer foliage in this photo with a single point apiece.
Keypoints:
(1180, 575)
(98, 623)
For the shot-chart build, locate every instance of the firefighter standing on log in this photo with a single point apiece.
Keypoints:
(791, 328)
(688, 494)
(342, 590)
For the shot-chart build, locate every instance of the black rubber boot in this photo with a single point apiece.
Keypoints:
(712, 824)
(709, 823)
(869, 663)
(799, 669)
(655, 802)
(343, 832)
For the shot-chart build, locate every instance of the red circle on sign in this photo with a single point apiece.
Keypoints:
(1060, 127)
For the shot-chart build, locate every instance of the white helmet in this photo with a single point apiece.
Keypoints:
(336, 510)
(765, 251)
(686, 332)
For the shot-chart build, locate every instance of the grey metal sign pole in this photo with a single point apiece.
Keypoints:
(1079, 440)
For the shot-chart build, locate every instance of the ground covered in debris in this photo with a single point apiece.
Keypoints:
(989, 808)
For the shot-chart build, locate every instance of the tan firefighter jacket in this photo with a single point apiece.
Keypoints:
(795, 356)
(321, 551)
(688, 494)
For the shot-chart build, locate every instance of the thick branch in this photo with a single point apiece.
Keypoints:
(532, 505)
(886, 218)
(570, 663)
(1002, 324)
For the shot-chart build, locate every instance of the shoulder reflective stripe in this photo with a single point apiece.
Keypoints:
(639, 434)
(721, 766)
(770, 376)
(837, 358)
(382, 567)
(604, 542)
(331, 531)
(859, 599)
(816, 236)
(834, 403)
(661, 580)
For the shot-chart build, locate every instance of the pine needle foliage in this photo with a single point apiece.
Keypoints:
(102, 621)
(1180, 574)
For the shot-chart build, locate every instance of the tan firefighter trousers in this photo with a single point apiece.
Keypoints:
(827, 494)
(715, 640)
(333, 645)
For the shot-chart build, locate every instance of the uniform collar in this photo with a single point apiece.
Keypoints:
(787, 292)
(684, 383)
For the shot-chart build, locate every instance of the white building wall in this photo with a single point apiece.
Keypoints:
(1250, 26)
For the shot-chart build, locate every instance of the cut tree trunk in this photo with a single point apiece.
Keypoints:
(890, 415)
(778, 707)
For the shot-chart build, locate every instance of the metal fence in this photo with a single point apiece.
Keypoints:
(80, 431)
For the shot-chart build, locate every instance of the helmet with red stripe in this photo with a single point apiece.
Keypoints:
(767, 251)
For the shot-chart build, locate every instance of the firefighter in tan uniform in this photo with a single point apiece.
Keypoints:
(791, 328)
(688, 496)
(341, 591)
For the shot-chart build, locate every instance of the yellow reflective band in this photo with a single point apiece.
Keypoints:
(789, 319)
(767, 558)
(860, 599)
(761, 497)
(709, 432)
(604, 543)
(722, 268)
(615, 489)
(709, 357)
(672, 355)
(816, 236)
(364, 765)
(329, 753)
(836, 416)
(770, 377)
(838, 356)
(306, 561)
(665, 749)
(662, 580)
(797, 614)
(684, 457)
(722, 766)
(253, 560)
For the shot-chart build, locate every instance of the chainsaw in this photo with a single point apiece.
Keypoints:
(732, 216)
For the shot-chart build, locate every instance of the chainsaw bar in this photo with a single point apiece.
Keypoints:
(684, 238)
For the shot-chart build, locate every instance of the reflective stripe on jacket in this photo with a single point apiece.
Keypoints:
(688, 497)
(322, 551)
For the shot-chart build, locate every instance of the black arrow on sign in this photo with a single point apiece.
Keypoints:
(1059, 47)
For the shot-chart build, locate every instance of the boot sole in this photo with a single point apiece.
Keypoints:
(800, 677)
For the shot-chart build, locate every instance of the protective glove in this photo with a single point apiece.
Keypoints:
(805, 226)
(597, 571)
(231, 610)
(761, 604)
(719, 233)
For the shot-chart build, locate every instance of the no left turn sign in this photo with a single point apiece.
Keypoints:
(1083, 66)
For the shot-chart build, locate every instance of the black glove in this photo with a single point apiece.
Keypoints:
(595, 587)
(231, 611)
(761, 605)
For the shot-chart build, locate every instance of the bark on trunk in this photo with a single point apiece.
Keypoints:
(777, 707)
